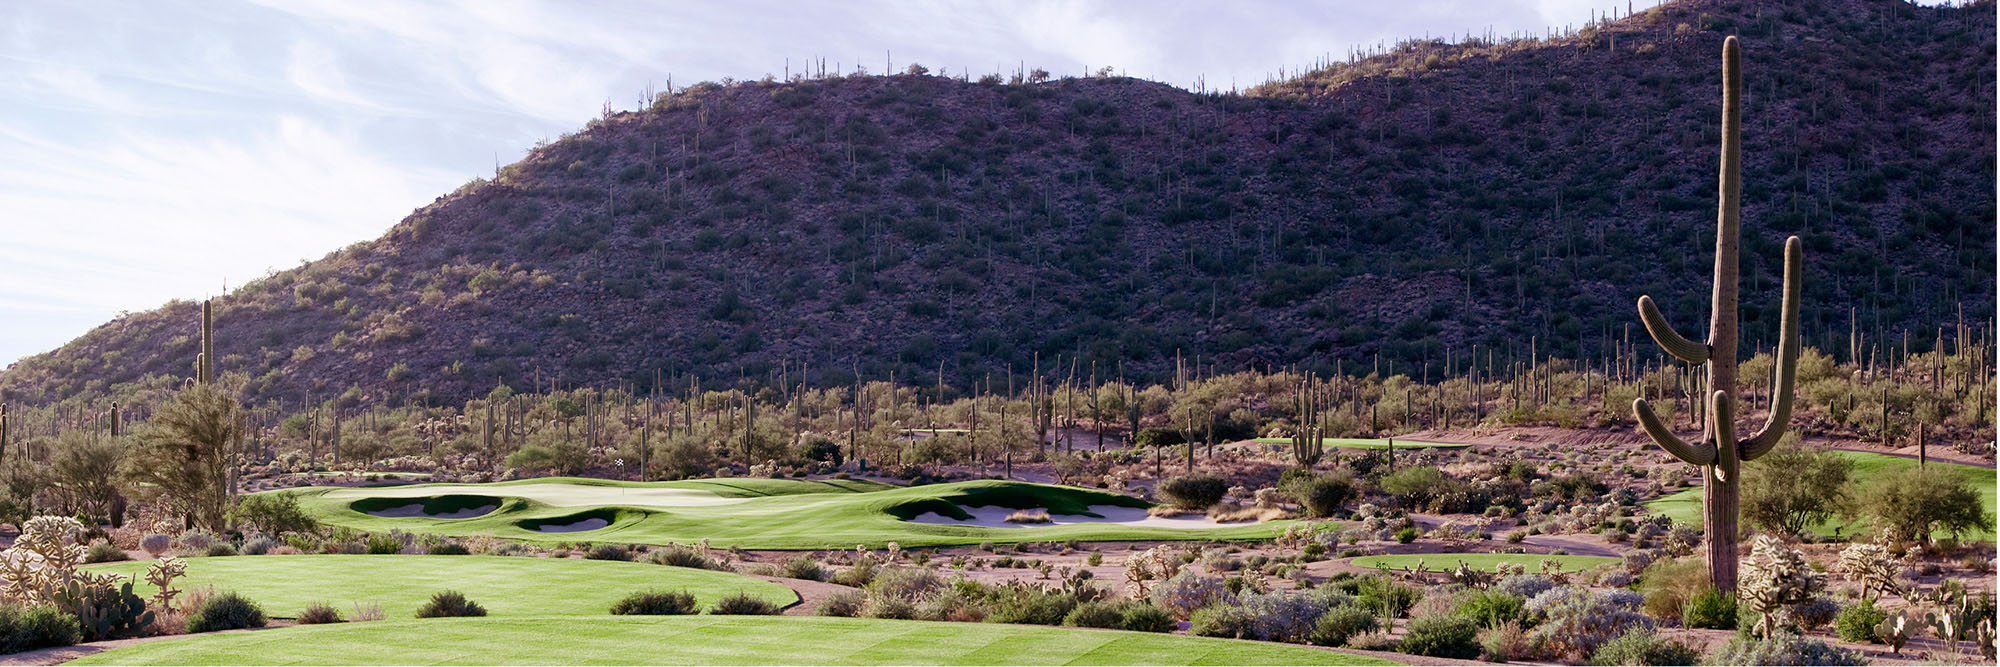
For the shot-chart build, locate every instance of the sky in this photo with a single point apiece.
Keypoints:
(173, 149)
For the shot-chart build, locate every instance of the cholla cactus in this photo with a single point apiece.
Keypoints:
(1150, 565)
(161, 575)
(1776, 577)
(1268, 498)
(43, 562)
(1871, 565)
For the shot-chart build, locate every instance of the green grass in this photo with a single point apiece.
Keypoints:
(1685, 505)
(1366, 443)
(505, 585)
(762, 514)
(1484, 562)
(707, 640)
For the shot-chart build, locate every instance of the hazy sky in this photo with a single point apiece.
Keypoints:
(164, 149)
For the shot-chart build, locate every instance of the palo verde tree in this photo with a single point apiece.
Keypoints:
(1719, 451)
(184, 452)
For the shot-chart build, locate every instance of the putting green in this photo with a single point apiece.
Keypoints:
(1685, 505)
(505, 585)
(757, 514)
(1367, 443)
(1483, 562)
(707, 640)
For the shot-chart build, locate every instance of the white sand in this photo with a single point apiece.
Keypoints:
(996, 517)
(578, 527)
(417, 510)
(562, 495)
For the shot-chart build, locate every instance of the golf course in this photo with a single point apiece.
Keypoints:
(755, 513)
(1685, 505)
(1481, 562)
(1367, 443)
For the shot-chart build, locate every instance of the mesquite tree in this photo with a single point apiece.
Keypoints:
(1719, 451)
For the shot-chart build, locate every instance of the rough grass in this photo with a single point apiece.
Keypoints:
(1367, 443)
(776, 514)
(1685, 505)
(708, 640)
(506, 586)
(1486, 562)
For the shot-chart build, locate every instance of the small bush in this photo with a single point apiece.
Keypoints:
(1031, 605)
(1384, 596)
(905, 583)
(1525, 586)
(1142, 617)
(1441, 637)
(1283, 616)
(1322, 495)
(1643, 647)
(1578, 621)
(273, 513)
(803, 567)
(1710, 609)
(744, 604)
(1188, 591)
(656, 603)
(105, 552)
(1341, 622)
(844, 603)
(446, 604)
(608, 552)
(156, 544)
(227, 611)
(221, 549)
(1406, 535)
(384, 543)
(1094, 614)
(320, 612)
(1857, 622)
(449, 549)
(25, 628)
(1193, 492)
(1783, 648)
(258, 546)
(1815, 613)
(1489, 608)
(1219, 621)
(1669, 583)
(889, 608)
(675, 555)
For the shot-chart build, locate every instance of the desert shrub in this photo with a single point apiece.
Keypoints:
(879, 606)
(1710, 609)
(803, 567)
(273, 513)
(1094, 614)
(1142, 617)
(676, 555)
(1193, 492)
(1794, 487)
(384, 543)
(1783, 648)
(227, 611)
(258, 546)
(156, 544)
(905, 583)
(449, 549)
(957, 604)
(1322, 495)
(1383, 595)
(844, 603)
(1857, 622)
(1815, 613)
(656, 603)
(1415, 486)
(1489, 608)
(1282, 616)
(220, 549)
(1669, 583)
(446, 604)
(1643, 647)
(1910, 502)
(105, 552)
(608, 552)
(743, 604)
(1507, 642)
(1442, 636)
(1030, 605)
(196, 540)
(1219, 621)
(1341, 622)
(25, 628)
(1406, 535)
(1188, 591)
(1524, 586)
(320, 612)
(1577, 621)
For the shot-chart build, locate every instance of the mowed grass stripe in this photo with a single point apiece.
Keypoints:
(505, 585)
(706, 640)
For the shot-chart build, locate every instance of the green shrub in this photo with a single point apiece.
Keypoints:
(1031, 605)
(1341, 622)
(889, 607)
(1322, 495)
(1669, 583)
(1710, 609)
(1382, 595)
(1142, 617)
(446, 604)
(1783, 648)
(905, 583)
(1857, 622)
(273, 513)
(844, 603)
(1406, 535)
(221, 549)
(803, 567)
(105, 552)
(1193, 492)
(656, 603)
(1489, 608)
(25, 628)
(449, 549)
(1643, 647)
(227, 611)
(1219, 621)
(744, 604)
(320, 612)
(608, 552)
(1441, 637)
(1414, 487)
(1909, 503)
(675, 555)
(384, 543)
(1094, 614)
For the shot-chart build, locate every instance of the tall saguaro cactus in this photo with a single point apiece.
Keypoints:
(1719, 451)
(204, 363)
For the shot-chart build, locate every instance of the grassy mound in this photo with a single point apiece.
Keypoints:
(506, 586)
(756, 513)
(1482, 562)
(708, 640)
(1685, 505)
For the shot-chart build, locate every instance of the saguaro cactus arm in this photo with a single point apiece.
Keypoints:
(1700, 454)
(1671, 341)
(1788, 358)
(1722, 416)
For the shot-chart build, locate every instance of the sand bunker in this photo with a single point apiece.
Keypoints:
(578, 527)
(562, 495)
(417, 510)
(996, 517)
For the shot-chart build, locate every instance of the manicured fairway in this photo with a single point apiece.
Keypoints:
(1367, 443)
(1484, 562)
(1685, 505)
(708, 640)
(748, 513)
(505, 585)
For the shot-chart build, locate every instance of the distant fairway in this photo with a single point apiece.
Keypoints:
(505, 585)
(747, 513)
(1482, 562)
(707, 640)
(1367, 443)
(1685, 505)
